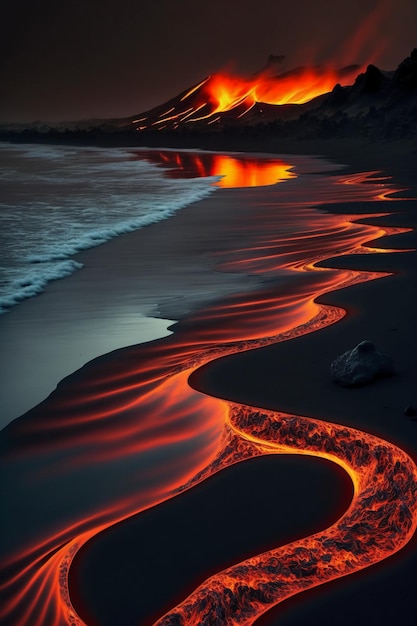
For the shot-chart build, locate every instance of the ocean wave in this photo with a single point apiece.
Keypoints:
(33, 283)
(99, 236)
(59, 201)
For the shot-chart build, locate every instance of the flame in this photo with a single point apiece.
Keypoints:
(134, 421)
(224, 92)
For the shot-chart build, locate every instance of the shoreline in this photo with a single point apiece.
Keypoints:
(306, 394)
(294, 377)
(354, 153)
(108, 304)
(377, 408)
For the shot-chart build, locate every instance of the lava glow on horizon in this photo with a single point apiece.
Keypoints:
(128, 432)
(223, 93)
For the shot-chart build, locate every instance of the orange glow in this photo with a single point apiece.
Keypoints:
(249, 173)
(226, 92)
(191, 91)
(133, 420)
(233, 171)
(375, 525)
(222, 93)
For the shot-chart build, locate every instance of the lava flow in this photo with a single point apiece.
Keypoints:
(224, 93)
(381, 519)
(127, 431)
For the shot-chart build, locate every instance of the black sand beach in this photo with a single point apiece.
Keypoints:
(290, 376)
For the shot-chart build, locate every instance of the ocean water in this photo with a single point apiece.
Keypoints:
(57, 200)
(128, 431)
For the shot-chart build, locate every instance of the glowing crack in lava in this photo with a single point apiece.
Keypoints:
(224, 93)
(381, 518)
(131, 423)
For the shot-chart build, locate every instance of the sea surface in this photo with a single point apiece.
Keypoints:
(56, 201)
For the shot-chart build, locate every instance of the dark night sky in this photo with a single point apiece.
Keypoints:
(73, 59)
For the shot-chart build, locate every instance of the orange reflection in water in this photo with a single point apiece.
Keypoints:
(249, 173)
(232, 171)
(127, 432)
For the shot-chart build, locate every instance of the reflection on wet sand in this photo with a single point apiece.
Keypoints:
(127, 432)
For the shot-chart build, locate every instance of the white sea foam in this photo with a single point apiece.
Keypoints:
(95, 237)
(61, 200)
(33, 283)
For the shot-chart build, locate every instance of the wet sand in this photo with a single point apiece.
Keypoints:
(293, 376)
(134, 572)
(130, 290)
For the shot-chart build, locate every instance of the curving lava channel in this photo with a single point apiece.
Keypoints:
(379, 521)
(127, 432)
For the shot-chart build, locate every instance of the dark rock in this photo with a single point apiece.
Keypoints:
(361, 365)
(410, 411)
(405, 76)
(373, 79)
(338, 96)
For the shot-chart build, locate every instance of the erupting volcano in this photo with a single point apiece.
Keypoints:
(308, 102)
(135, 428)
(226, 97)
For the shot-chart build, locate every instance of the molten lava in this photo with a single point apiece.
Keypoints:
(226, 92)
(127, 432)
(381, 518)
(222, 94)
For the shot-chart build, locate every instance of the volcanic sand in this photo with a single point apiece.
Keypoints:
(293, 376)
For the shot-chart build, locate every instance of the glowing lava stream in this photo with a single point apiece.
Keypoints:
(381, 519)
(137, 405)
(223, 92)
